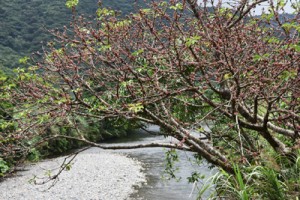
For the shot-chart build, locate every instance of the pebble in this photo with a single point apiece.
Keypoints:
(95, 174)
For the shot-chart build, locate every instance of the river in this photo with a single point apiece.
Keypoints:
(153, 160)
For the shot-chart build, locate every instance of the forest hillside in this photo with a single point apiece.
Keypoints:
(25, 24)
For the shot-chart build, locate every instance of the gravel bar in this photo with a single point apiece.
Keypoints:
(94, 174)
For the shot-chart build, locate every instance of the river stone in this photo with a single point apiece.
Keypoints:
(95, 174)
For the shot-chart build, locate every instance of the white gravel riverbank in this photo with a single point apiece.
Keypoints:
(95, 174)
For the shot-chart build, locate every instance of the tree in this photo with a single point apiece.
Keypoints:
(181, 66)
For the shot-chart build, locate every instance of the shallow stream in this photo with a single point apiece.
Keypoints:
(153, 160)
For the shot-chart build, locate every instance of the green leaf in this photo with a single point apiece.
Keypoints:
(268, 16)
(178, 6)
(104, 12)
(135, 107)
(296, 47)
(147, 11)
(72, 3)
(273, 40)
(195, 177)
(288, 74)
(281, 3)
(192, 40)
(23, 60)
(138, 52)
(68, 167)
(258, 57)
(227, 76)
(3, 167)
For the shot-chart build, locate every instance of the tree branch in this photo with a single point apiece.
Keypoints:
(117, 147)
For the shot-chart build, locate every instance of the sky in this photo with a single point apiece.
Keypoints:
(258, 10)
